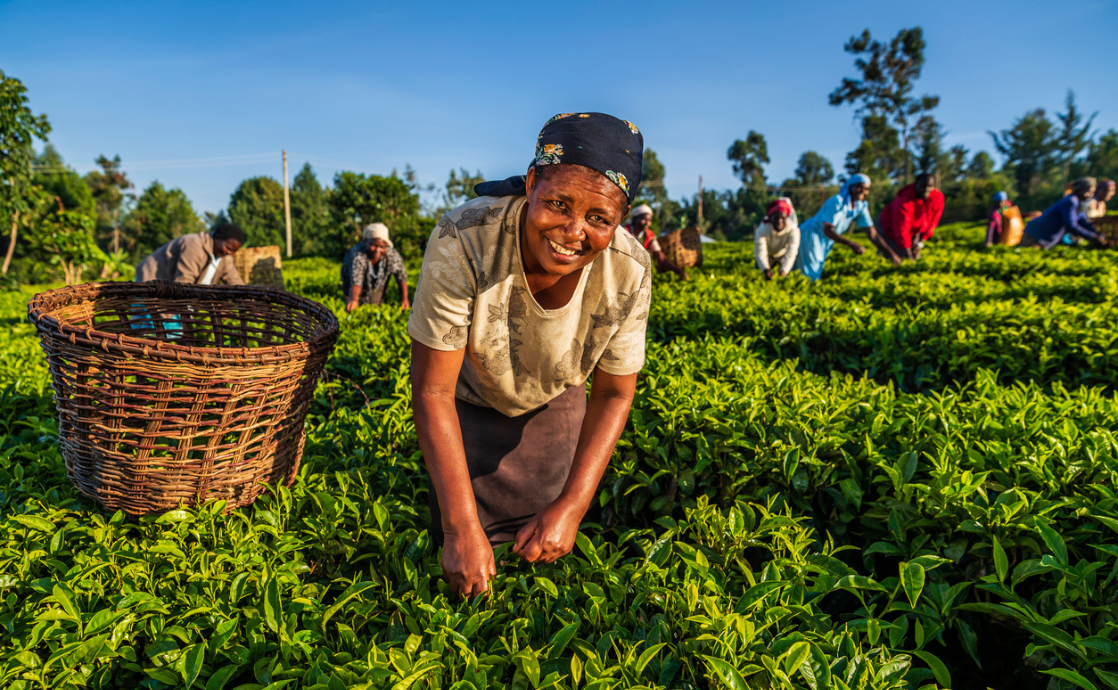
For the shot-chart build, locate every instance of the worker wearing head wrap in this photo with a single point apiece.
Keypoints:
(777, 239)
(640, 227)
(911, 218)
(994, 224)
(525, 294)
(1096, 205)
(1065, 218)
(820, 232)
(368, 265)
(203, 258)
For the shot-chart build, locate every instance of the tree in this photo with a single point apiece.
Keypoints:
(889, 74)
(748, 158)
(459, 189)
(358, 199)
(257, 206)
(953, 164)
(310, 213)
(814, 170)
(1031, 149)
(19, 127)
(981, 166)
(159, 216)
(57, 179)
(109, 187)
(1074, 135)
(652, 180)
(1102, 156)
(879, 155)
(928, 136)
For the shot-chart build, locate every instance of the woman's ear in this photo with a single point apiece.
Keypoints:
(530, 181)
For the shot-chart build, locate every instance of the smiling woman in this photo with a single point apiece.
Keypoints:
(524, 294)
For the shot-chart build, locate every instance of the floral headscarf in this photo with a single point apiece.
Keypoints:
(597, 141)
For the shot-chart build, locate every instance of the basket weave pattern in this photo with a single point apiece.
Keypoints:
(683, 247)
(172, 394)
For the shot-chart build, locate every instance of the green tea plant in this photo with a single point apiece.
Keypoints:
(893, 478)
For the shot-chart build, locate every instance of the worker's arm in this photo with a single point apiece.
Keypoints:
(789, 258)
(405, 303)
(829, 231)
(879, 242)
(358, 269)
(467, 557)
(935, 213)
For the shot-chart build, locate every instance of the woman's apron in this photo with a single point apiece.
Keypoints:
(518, 465)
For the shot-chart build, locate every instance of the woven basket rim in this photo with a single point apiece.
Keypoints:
(41, 305)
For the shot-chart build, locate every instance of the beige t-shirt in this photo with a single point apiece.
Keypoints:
(472, 293)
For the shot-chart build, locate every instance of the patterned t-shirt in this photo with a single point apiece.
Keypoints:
(358, 270)
(472, 293)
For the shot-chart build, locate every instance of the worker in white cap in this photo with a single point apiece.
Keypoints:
(640, 226)
(367, 266)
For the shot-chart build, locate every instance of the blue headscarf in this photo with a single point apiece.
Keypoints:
(856, 178)
(1000, 197)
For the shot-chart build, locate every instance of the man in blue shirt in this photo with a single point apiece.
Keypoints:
(1065, 216)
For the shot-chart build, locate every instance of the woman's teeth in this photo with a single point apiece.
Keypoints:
(560, 249)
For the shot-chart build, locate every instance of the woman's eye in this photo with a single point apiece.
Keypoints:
(559, 205)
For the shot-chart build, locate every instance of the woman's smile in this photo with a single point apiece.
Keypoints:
(561, 252)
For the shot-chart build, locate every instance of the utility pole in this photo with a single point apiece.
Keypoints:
(286, 204)
(700, 203)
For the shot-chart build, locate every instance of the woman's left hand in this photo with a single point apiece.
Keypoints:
(550, 534)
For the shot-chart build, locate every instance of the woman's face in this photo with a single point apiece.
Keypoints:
(778, 220)
(859, 192)
(571, 215)
(226, 247)
(375, 249)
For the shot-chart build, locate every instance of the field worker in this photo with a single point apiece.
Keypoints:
(911, 218)
(1063, 217)
(203, 258)
(1096, 205)
(994, 226)
(820, 232)
(777, 239)
(640, 226)
(524, 294)
(367, 266)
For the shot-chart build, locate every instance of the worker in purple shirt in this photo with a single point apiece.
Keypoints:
(1065, 216)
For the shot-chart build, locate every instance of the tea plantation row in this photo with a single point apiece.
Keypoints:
(890, 479)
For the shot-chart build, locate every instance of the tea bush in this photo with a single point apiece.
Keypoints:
(894, 478)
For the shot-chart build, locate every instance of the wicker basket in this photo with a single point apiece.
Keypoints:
(260, 266)
(684, 247)
(172, 394)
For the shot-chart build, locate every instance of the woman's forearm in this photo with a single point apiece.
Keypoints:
(440, 439)
(606, 414)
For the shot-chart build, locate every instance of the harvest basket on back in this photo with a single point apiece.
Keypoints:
(170, 393)
(1013, 227)
(683, 247)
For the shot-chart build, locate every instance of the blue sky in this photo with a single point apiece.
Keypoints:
(202, 95)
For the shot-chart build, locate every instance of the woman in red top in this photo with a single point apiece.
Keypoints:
(911, 218)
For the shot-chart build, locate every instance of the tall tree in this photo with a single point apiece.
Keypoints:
(19, 127)
(159, 216)
(1102, 156)
(1031, 149)
(749, 158)
(879, 155)
(110, 188)
(310, 212)
(953, 164)
(59, 180)
(652, 179)
(888, 78)
(814, 170)
(928, 138)
(358, 199)
(981, 166)
(1074, 135)
(459, 189)
(257, 206)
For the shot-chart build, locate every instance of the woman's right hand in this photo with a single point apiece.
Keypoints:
(467, 561)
